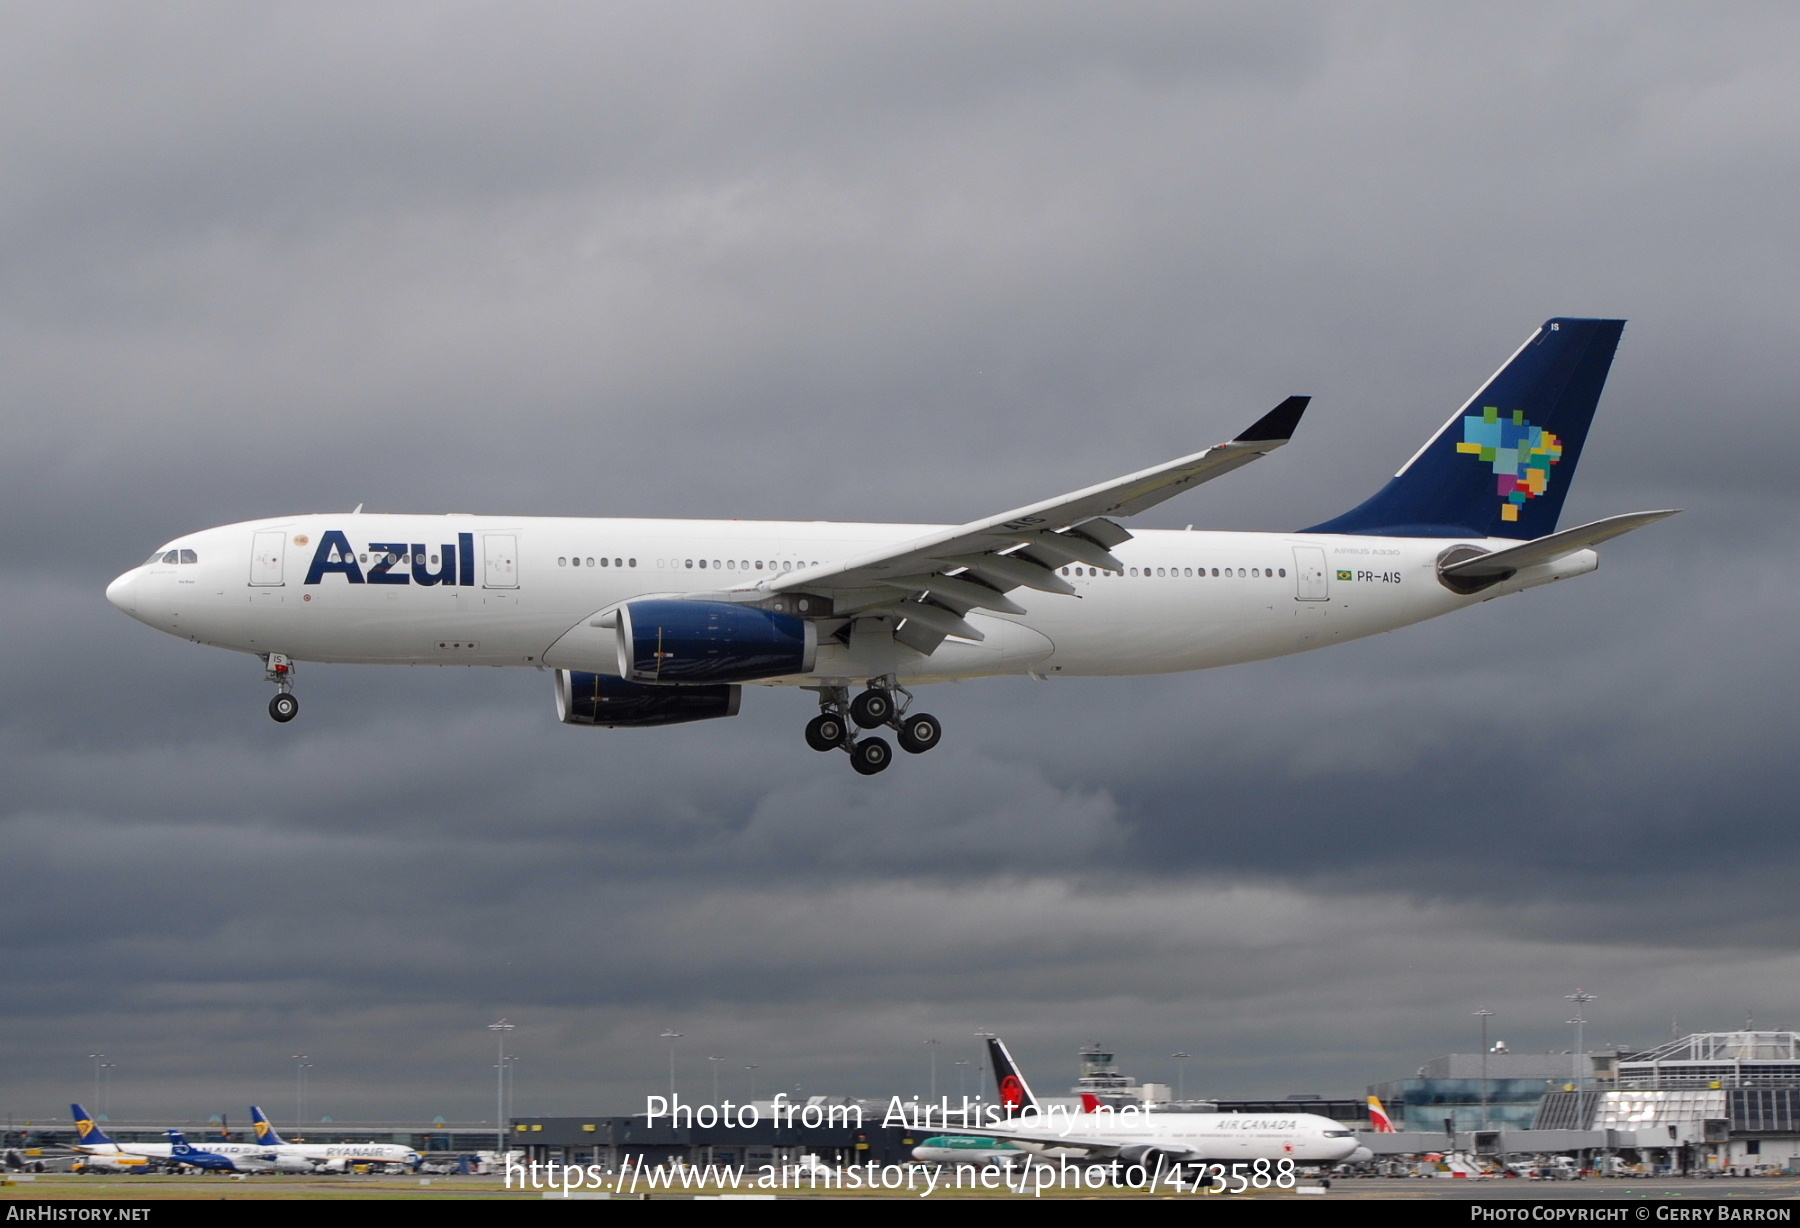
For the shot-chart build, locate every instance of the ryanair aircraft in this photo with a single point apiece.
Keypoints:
(328, 1157)
(101, 1153)
(657, 622)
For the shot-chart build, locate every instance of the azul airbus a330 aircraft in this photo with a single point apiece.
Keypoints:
(657, 622)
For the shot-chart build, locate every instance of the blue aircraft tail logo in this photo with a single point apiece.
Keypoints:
(265, 1129)
(1501, 466)
(86, 1132)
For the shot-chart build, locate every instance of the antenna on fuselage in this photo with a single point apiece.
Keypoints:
(355, 510)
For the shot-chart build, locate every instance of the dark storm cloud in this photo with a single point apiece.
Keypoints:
(882, 262)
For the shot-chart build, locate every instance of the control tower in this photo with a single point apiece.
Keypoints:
(1100, 1076)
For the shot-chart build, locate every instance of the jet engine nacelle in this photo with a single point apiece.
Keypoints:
(665, 642)
(601, 699)
(1148, 1155)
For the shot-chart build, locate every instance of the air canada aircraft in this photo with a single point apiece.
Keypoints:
(658, 622)
(1145, 1137)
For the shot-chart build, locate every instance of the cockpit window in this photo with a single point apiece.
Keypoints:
(188, 556)
(173, 556)
(1339, 1133)
(154, 559)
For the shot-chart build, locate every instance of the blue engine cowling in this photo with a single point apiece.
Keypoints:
(601, 699)
(711, 641)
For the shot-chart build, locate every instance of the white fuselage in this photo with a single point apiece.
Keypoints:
(1304, 1138)
(525, 592)
(249, 1156)
(346, 1154)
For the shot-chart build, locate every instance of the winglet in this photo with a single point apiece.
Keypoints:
(1278, 423)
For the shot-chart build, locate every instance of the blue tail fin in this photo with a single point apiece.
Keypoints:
(1501, 466)
(264, 1128)
(87, 1134)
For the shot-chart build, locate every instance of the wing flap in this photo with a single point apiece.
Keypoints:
(943, 621)
(1011, 571)
(967, 592)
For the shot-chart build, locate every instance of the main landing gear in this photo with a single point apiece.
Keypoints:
(279, 670)
(840, 716)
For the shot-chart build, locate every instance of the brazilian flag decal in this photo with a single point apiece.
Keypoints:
(1343, 575)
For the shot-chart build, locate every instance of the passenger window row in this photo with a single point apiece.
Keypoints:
(735, 564)
(1268, 573)
(681, 564)
(390, 558)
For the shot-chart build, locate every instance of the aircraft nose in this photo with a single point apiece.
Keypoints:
(122, 592)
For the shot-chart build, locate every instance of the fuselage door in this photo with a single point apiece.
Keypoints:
(266, 555)
(500, 555)
(1309, 574)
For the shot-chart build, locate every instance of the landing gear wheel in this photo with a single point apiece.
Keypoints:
(826, 731)
(871, 755)
(919, 733)
(873, 708)
(284, 707)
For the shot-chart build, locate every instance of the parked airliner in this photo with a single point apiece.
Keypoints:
(656, 622)
(1145, 1137)
(330, 1157)
(103, 1153)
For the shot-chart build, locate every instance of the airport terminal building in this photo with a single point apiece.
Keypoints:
(1710, 1101)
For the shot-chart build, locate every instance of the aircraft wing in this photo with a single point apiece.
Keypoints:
(1064, 1132)
(1040, 1130)
(928, 584)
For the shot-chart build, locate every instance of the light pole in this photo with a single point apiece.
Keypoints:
(1580, 998)
(752, 1068)
(512, 1084)
(1181, 1060)
(933, 1046)
(97, 1058)
(1484, 1014)
(301, 1066)
(715, 1069)
(500, 1030)
(671, 1036)
(962, 1087)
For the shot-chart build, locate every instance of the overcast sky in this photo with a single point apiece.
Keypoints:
(910, 262)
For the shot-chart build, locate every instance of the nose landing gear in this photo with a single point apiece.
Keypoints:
(835, 728)
(279, 670)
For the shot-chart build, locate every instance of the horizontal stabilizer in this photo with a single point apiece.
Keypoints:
(1503, 563)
